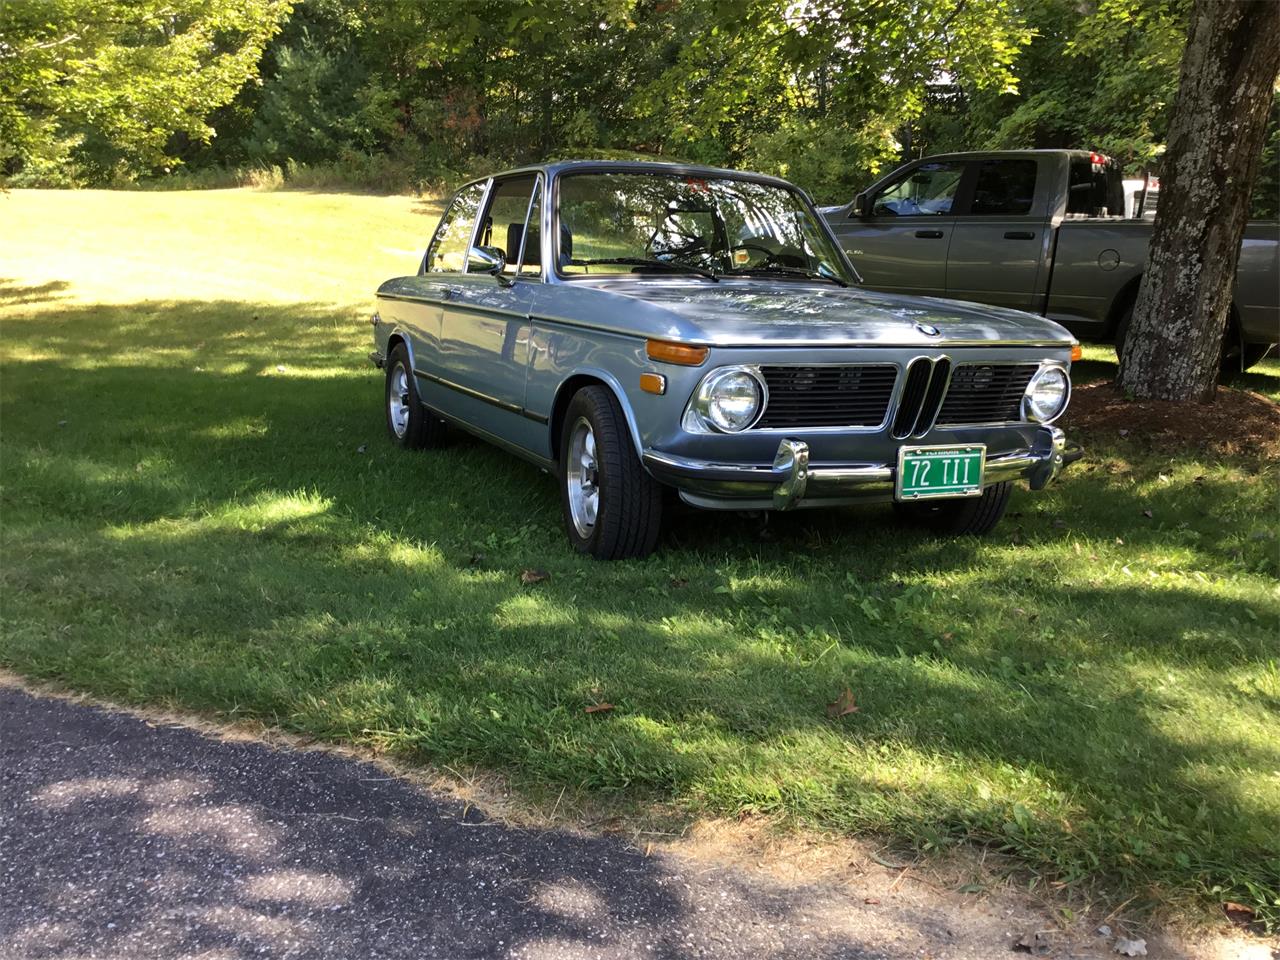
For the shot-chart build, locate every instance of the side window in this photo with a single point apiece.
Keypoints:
(1004, 188)
(929, 189)
(448, 250)
(504, 223)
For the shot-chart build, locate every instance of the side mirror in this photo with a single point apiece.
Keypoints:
(486, 260)
(861, 206)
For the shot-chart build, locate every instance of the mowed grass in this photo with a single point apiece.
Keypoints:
(200, 509)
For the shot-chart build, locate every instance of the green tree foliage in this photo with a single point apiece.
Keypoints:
(1101, 79)
(100, 87)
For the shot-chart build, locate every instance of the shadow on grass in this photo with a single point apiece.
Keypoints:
(200, 507)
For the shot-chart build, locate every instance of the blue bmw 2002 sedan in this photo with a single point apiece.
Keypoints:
(631, 327)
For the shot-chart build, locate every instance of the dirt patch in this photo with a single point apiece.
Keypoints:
(1236, 423)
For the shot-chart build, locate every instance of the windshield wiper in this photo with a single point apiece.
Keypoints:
(790, 272)
(672, 265)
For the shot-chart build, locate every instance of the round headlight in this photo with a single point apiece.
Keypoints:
(1047, 394)
(729, 400)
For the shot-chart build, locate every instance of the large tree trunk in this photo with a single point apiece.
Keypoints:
(1174, 345)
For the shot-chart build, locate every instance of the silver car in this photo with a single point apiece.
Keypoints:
(641, 328)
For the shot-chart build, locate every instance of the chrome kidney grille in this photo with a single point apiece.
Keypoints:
(921, 396)
(934, 392)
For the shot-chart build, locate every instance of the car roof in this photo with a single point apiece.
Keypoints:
(559, 168)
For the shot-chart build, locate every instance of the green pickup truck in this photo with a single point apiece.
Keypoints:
(1038, 230)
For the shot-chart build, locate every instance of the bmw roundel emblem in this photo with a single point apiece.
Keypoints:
(928, 329)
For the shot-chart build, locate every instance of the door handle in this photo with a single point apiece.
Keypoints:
(929, 234)
(1019, 235)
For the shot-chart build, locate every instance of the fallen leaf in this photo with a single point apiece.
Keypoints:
(843, 704)
(871, 900)
(1130, 948)
(599, 708)
(1147, 514)
(948, 637)
(534, 576)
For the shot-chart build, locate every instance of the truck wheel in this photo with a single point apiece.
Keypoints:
(1236, 356)
(612, 506)
(1252, 354)
(409, 424)
(974, 516)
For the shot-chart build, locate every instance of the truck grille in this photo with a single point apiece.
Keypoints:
(986, 393)
(856, 395)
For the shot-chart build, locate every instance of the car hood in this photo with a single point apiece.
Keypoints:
(751, 313)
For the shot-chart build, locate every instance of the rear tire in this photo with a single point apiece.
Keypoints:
(970, 516)
(612, 507)
(410, 425)
(1236, 356)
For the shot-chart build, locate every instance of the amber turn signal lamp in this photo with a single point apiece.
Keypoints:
(653, 383)
(681, 353)
(1077, 352)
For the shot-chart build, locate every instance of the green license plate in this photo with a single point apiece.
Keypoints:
(940, 471)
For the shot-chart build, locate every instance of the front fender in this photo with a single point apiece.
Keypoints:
(571, 384)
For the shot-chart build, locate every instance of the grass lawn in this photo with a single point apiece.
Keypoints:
(200, 509)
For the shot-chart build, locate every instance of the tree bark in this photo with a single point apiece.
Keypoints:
(1174, 345)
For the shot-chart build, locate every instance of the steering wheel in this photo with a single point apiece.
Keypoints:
(696, 245)
(771, 257)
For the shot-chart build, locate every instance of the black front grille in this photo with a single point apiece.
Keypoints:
(835, 396)
(986, 393)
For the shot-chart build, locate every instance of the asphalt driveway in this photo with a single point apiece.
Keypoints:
(122, 838)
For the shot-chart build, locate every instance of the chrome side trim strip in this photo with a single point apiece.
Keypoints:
(484, 397)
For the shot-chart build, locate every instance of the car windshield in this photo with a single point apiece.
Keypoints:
(666, 224)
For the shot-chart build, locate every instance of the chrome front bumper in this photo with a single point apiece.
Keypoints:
(791, 481)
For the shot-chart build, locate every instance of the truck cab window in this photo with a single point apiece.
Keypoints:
(1004, 187)
(927, 190)
(1094, 189)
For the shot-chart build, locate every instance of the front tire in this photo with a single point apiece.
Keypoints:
(612, 507)
(970, 516)
(409, 424)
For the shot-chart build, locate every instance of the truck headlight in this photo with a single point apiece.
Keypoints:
(728, 401)
(1047, 394)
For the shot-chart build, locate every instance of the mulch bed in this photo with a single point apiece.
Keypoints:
(1236, 423)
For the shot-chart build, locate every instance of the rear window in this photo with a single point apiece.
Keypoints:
(1004, 188)
(1094, 189)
